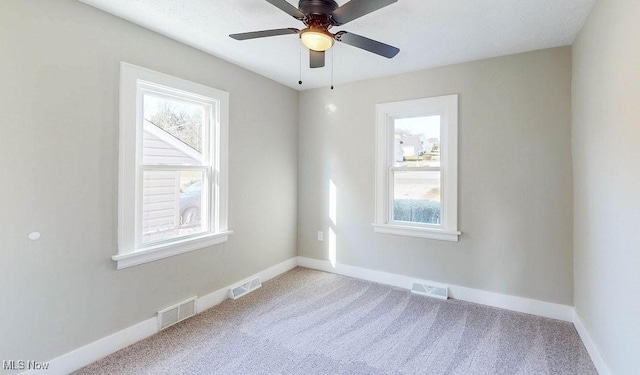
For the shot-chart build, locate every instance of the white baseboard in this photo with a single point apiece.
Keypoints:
(99, 349)
(278, 269)
(217, 297)
(88, 354)
(593, 351)
(525, 305)
(96, 350)
(206, 302)
(520, 304)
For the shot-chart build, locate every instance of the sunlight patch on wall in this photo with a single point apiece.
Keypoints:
(333, 216)
(332, 247)
(333, 203)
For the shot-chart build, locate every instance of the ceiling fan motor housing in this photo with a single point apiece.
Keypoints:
(318, 12)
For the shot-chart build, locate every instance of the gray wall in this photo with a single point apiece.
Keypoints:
(59, 72)
(606, 153)
(515, 179)
(59, 69)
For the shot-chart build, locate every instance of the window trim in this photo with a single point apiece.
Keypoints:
(134, 80)
(386, 113)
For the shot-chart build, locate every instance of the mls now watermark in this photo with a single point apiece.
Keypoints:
(24, 365)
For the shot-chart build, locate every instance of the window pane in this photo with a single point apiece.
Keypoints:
(417, 141)
(172, 131)
(173, 205)
(416, 196)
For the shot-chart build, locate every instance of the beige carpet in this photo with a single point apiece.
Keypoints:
(310, 322)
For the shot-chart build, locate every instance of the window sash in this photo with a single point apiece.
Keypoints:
(391, 169)
(170, 167)
(211, 117)
(391, 198)
(411, 169)
(208, 162)
(209, 191)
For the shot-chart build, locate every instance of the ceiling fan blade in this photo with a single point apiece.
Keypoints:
(316, 59)
(264, 33)
(287, 8)
(358, 8)
(367, 44)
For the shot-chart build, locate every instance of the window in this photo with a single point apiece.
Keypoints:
(172, 194)
(417, 168)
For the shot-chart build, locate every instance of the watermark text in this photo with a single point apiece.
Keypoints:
(24, 365)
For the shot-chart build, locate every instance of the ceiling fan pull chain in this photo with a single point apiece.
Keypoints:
(333, 51)
(300, 60)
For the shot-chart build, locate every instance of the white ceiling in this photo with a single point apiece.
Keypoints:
(429, 33)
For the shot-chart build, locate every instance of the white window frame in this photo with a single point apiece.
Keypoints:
(447, 108)
(134, 81)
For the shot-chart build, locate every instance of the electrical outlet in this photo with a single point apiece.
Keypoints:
(320, 236)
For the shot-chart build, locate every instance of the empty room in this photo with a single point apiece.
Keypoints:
(320, 187)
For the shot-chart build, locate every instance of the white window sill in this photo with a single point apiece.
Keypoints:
(168, 250)
(409, 231)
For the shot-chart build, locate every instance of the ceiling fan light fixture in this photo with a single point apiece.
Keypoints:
(317, 40)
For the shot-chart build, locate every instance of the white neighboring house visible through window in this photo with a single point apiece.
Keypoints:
(417, 168)
(172, 195)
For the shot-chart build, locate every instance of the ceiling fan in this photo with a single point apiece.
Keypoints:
(321, 15)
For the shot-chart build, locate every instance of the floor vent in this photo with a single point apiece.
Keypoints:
(441, 292)
(246, 287)
(176, 313)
